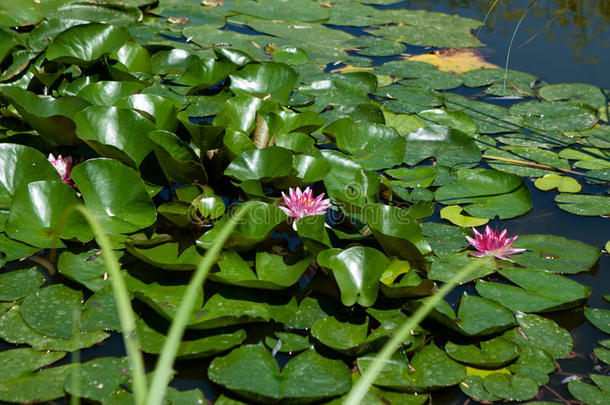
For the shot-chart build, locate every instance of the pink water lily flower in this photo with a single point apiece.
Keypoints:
(493, 244)
(63, 167)
(301, 204)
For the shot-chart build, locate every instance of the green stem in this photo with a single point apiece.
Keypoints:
(513, 39)
(359, 390)
(123, 302)
(486, 16)
(163, 369)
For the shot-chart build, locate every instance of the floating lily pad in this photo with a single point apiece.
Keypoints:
(446, 265)
(555, 115)
(45, 385)
(15, 330)
(307, 376)
(98, 379)
(488, 193)
(17, 284)
(584, 204)
(430, 368)
(589, 394)
(444, 238)
(115, 194)
(453, 214)
(53, 311)
(599, 317)
(152, 341)
(538, 332)
(86, 43)
(287, 342)
(513, 388)
(563, 184)
(582, 93)
(493, 353)
(357, 271)
(554, 253)
(540, 291)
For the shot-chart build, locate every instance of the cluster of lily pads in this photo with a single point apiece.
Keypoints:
(163, 116)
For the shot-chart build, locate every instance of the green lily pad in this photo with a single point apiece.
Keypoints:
(554, 253)
(599, 317)
(480, 316)
(488, 193)
(308, 376)
(582, 93)
(489, 118)
(280, 10)
(584, 204)
(126, 136)
(287, 342)
(85, 43)
(100, 312)
(97, 379)
(525, 154)
(589, 394)
(540, 291)
(426, 28)
(211, 344)
(533, 363)
(20, 362)
(15, 330)
(167, 256)
(260, 80)
(45, 385)
(53, 311)
(450, 147)
(255, 226)
(430, 368)
(88, 268)
(513, 388)
(115, 194)
(555, 115)
(493, 353)
(357, 271)
(340, 335)
(453, 214)
(444, 238)
(447, 264)
(53, 118)
(261, 164)
(473, 387)
(17, 284)
(36, 212)
(563, 184)
(539, 332)
(373, 146)
(108, 92)
(451, 119)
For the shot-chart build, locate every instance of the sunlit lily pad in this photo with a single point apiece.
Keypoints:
(540, 291)
(563, 184)
(555, 115)
(554, 253)
(538, 332)
(584, 204)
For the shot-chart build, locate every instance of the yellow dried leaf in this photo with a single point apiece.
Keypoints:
(454, 60)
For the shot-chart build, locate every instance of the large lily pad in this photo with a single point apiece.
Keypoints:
(488, 193)
(308, 376)
(540, 291)
(357, 271)
(554, 253)
(115, 194)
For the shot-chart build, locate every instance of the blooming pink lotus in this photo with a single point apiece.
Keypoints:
(493, 244)
(301, 204)
(64, 168)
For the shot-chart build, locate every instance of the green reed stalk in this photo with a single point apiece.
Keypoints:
(163, 369)
(123, 302)
(513, 39)
(359, 390)
(493, 5)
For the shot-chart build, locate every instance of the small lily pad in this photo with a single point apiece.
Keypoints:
(53, 311)
(599, 317)
(493, 353)
(563, 184)
(513, 388)
(453, 214)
